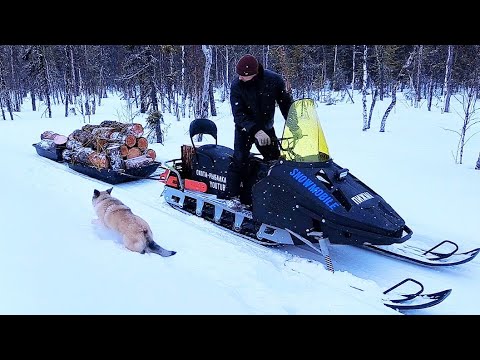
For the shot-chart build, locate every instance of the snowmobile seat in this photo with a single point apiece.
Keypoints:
(203, 126)
(218, 156)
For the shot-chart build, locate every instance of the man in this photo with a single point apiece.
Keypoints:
(252, 98)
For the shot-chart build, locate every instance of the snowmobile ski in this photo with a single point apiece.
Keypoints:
(427, 257)
(413, 301)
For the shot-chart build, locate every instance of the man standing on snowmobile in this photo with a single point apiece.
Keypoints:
(252, 97)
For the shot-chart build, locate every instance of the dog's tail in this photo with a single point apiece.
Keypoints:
(153, 247)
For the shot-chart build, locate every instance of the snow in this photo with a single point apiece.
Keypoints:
(54, 260)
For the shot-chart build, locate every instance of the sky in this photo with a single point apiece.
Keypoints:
(54, 260)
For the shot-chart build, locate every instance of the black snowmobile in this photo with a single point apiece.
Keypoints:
(302, 198)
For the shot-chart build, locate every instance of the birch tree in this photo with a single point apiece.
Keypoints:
(14, 82)
(44, 77)
(183, 85)
(202, 106)
(394, 89)
(334, 75)
(448, 75)
(226, 74)
(379, 56)
(4, 93)
(69, 79)
(353, 73)
(364, 88)
(469, 119)
(419, 77)
(471, 86)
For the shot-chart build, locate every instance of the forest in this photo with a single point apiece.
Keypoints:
(181, 79)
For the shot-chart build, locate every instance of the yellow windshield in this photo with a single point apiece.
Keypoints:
(303, 139)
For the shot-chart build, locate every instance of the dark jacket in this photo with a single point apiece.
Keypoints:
(253, 102)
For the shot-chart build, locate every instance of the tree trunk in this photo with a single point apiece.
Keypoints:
(419, 77)
(379, 57)
(334, 76)
(389, 108)
(430, 92)
(203, 106)
(364, 88)
(213, 109)
(184, 90)
(45, 80)
(1, 108)
(17, 98)
(32, 94)
(394, 90)
(372, 106)
(226, 79)
(203, 96)
(353, 72)
(448, 75)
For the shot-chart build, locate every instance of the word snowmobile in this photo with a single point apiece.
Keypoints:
(303, 198)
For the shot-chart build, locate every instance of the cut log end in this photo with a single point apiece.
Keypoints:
(150, 153)
(133, 152)
(142, 143)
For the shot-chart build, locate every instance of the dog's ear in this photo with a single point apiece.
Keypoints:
(96, 193)
(110, 190)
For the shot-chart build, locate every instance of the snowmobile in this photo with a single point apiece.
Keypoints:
(303, 198)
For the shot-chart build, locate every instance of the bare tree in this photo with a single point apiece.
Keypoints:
(44, 77)
(353, 72)
(211, 97)
(334, 75)
(183, 86)
(226, 74)
(37, 70)
(418, 92)
(201, 106)
(69, 79)
(448, 75)
(394, 89)
(364, 87)
(379, 56)
(202, 101)
(14, 82)
(266, 55)
(372, 105)
(469, 118)
(4, 94)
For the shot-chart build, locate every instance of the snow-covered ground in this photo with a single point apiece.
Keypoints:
(53, 260)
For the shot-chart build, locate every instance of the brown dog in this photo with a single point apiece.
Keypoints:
(115, 215)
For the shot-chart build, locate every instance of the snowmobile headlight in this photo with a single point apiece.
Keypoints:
(341, 174)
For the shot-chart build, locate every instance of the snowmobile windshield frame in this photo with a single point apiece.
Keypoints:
(303, 139)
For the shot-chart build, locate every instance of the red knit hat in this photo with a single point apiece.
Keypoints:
(247, 65)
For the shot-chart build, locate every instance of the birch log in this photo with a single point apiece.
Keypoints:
(138, 162)
(115, 157)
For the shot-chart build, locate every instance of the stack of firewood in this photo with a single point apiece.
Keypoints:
(109, 145)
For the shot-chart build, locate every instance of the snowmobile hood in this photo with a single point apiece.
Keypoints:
(303, 139)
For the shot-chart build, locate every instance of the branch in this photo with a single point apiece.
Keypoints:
(454, 131)
(471, 136)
